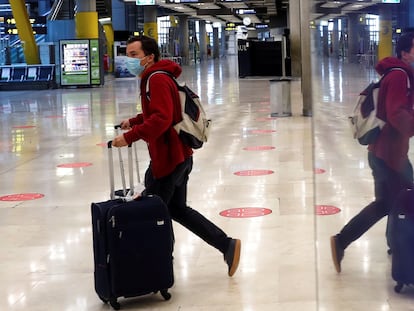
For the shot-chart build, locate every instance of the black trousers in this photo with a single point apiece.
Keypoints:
(388, 183)
(173, 191)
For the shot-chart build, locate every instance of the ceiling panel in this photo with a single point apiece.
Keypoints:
(190, 8)
(324, 9)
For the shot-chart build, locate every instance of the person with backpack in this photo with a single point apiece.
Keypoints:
(388, 155)
(171, 159)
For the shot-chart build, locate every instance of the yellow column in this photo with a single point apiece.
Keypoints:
(26, 36)
(87, 25)
(109, 34)
(150, 22)
(151, 30)
(385, 35)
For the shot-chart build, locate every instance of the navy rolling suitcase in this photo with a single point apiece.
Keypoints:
(400, 234)
(132, 245)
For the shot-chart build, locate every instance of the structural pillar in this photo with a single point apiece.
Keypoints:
(43, 6)
(335, 39)
(353, 41)
(385, 34)
(300, 44)
(306, 68)
(325, 41)
(216, 43)
(109, 35)
(295, 40)
(224, 41)
(203, 40)
(118, 15)
(86, 20)
(150, 22)
(183, 38)
(24, 27)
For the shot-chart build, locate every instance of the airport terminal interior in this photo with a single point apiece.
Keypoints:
(282, 183)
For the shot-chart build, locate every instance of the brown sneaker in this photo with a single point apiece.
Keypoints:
(337, 253)
(232, 256)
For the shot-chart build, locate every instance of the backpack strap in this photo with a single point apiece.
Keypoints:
(400, 69)
(147, 85)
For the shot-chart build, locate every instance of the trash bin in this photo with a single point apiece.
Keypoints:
(280, 105)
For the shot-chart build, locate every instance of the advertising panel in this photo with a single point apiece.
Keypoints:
(95, 62)
(75, 67)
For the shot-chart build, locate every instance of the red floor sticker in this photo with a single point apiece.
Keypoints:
(24, 127)
(319, 171)
(262, 131)
(80, 108)
(266, 119)
(75, 165)
(21, 197)
(245, 212)
(102, 144)
(259, 148)
(327, 210)
(254, 173)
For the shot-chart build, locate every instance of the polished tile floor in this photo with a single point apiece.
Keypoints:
(52, 152)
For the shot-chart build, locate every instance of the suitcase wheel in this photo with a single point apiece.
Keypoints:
(115, 304)
(165, 294)
(398, 287)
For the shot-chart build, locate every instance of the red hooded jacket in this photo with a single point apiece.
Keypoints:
(396, 108)
(160, 110)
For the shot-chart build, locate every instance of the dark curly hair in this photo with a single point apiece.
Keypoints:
(404, 43)
(149, 45)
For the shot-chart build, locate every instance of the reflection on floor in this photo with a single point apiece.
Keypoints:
(54, 164)
(344, 182)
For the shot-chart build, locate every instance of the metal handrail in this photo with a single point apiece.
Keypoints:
(54, 11)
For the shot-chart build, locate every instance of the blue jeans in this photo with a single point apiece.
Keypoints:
(388, 183)
(173, 191)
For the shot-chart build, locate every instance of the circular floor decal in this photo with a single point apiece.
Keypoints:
(319, 171)
(54, 117)
(24, 127)
(327, 210)
(254, 173)
(266, 119)
(75, 165)
(245, 212)
(262, 131)
(259, 148)
(21, 197)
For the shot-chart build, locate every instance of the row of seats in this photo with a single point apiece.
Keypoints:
(26, 77)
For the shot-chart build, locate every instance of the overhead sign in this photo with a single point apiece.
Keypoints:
(222, 11)
(251, 11)
(145, 2)
(9, 20)
(230, 26)
(36, 30)
(188, 1)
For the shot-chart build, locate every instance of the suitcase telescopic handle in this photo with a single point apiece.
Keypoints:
(121, 166)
